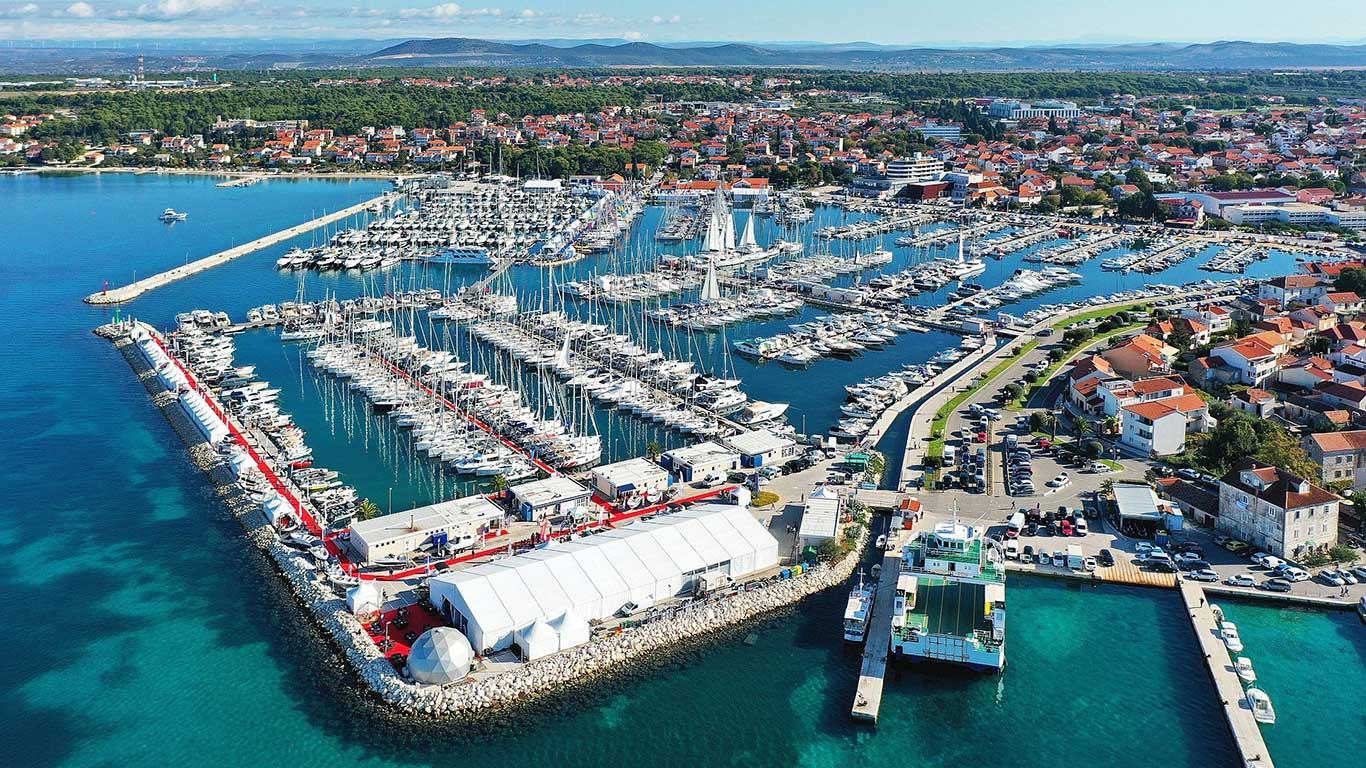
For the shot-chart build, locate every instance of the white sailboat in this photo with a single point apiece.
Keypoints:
(711, 291)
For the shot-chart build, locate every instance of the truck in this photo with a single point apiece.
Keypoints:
(1075, 559)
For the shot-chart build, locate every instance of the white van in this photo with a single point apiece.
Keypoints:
(950, 453)
(1081, 525)
(1013, 549)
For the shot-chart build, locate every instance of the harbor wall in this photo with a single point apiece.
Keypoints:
(605, 654)
(135, 289)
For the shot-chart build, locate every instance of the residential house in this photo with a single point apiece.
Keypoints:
(1159, 427)
(1341, 455)
(1140, 357)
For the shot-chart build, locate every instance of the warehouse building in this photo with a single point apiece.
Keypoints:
(695, 462)
(630, 478)
(542, 598)
(554, 496)
(457, 524)
(761, 447)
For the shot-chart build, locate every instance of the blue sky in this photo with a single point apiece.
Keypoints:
(902, 22)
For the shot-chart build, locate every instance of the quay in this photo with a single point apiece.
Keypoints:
(133, 290)
(242, 181)
(873, 673)
(1247, 736)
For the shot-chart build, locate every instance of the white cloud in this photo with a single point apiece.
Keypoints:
(169, 10)
(631, 35)
(663, 20)
(17, 11)
(80, 10)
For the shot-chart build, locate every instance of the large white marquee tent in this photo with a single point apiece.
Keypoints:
(543, 600)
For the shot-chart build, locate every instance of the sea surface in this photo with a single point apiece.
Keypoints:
(144, 630)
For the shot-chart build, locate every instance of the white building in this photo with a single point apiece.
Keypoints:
(821, 517)
(630, 477)
(497, 605)
(551, 497)
(458, 523)
(1274, 510)
(761, 447)
(1009, 109)
(695, 462)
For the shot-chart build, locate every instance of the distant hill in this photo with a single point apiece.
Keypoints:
(1222, 55)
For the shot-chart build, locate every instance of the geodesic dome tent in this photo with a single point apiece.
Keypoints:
(442, 655)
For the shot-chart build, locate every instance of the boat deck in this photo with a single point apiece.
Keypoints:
(1247, 736)
(944, 607)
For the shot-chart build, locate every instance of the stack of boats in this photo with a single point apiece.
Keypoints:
(457, 417)
(712, 314)
(1079, 250)
(254, 406)
(1163, 253)
(639, 286)
(832, 335)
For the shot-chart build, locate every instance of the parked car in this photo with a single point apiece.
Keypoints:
(1183, 556)
(1276, 585)
(1161, 566)
(1204, 574)
(1059, 559)
(1331, 579)
(1186, 473)
(1296, 574)
(1106, 559)
(1346, 575)
(1241, 580)
(1089, 564)
(1061, 481)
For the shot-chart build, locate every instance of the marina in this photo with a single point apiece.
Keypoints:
(540, 336)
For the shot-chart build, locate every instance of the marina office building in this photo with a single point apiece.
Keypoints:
(554, 496)
(1274, 510)
(762, 447)
(459, 523)
(635, 567)
(694, 462)
(626, 478)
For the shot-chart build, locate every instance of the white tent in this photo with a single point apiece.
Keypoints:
(364, 598)
(442, 655)
(497, 604)
(572, 629)
(538, 641)
(276, 508)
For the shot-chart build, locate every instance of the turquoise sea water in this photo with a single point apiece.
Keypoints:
(143, 630)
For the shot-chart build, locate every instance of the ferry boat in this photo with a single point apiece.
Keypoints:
(858, 611)
(951, 599)
(171, 214)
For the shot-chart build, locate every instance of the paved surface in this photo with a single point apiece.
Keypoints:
(133, 290)
(1247, 736)
(872, 674)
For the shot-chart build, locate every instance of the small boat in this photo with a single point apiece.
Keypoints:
(1260, 704)
(171, 214)
(1361, 607)
(1245, 671)
(1229, 632)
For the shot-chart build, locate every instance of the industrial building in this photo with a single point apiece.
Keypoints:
(552, 497)
(458, 524)
(695, 462)
(631, 477)
(547, 597)
(762, 447)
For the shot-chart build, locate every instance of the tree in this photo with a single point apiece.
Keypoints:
(1044, 421)
(1110, 425)
(1082, 427)
(1351, 279)
(1233, 439)
(1012, 392)
(367, 510)
(499, 483)
(653, 449)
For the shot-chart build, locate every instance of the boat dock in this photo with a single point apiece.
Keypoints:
(136, 289)
(1247, 735)
(872, 675)
(242, 181)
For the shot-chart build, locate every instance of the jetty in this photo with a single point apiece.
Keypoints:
(242, 181)
(873, 673)
(1247, 736)
(136, 289)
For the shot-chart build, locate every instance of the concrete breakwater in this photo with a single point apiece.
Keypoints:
(135, 289)
(603, 655)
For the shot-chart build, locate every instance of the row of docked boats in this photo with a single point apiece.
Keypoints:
(616, 372)
(843, 336)
(1257, 700)
(1161, 253)
(894, 222)
(713, 314)
(458, 418)
(639, 286)
(1078, 250)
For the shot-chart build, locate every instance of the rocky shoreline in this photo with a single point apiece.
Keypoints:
(602, 655)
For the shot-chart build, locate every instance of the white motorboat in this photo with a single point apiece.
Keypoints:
(171, 214)
(858, 611)
(1229, 632)
(1260, 704)
(1245, 671)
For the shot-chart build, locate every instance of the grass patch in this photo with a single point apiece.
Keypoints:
(764, 499)
(1053, 368)
(1097, 313)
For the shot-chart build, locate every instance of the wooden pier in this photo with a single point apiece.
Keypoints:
(1247, 735)
(133, 290)
(872, 675)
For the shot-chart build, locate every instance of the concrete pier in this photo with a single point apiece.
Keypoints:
(1247, 735)
(133, 290)
(872, 675)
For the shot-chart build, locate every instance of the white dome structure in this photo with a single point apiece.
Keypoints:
(364, 598)
(442, 655)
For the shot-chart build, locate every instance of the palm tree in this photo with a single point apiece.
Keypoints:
(499, 483)
(1111, 424)
(367, 510)
(1082, 428)
(653, 449)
